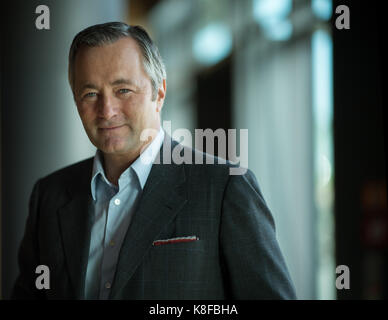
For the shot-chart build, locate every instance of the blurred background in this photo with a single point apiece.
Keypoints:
(310, 96)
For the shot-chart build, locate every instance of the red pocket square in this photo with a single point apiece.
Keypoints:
(175, 240)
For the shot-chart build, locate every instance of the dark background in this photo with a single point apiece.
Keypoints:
(359, 106)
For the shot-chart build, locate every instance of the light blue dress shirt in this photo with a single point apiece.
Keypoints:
(113, 210)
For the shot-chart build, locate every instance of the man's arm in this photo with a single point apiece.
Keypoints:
(254, 264)
(24, 287)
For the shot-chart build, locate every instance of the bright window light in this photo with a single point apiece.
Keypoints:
(280, 31)
(322, 8)
(322, 74)
(212, 43)
(271, 9)
(272, 17)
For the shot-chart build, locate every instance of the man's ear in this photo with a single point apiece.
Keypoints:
(161, 96)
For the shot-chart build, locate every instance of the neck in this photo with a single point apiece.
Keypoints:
(116, 164)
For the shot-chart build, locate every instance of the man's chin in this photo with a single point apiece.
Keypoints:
(119, 149)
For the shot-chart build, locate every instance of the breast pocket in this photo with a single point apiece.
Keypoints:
(179, 262)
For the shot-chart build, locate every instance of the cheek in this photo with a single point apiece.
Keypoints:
(135, 110)
(87, 114)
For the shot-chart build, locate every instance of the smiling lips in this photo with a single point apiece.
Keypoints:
(107, 129)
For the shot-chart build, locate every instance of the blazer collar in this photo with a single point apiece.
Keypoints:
(163, 196)
(75, 220)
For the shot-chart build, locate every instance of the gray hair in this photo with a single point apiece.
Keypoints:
(107, 33)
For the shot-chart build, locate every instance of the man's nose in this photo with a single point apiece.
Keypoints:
(107, 108)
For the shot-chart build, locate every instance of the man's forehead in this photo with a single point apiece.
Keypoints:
(120, 55)
(118, 61)
(125, 45)
(118, 81)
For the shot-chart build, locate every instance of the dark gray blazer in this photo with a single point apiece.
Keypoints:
(236, 257)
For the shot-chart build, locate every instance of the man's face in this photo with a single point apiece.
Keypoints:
(113, 94)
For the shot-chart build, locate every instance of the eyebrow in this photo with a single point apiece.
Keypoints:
(114, 83)
(89, 86)
(121, 81)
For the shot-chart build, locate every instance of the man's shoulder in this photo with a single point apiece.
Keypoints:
(76, 172)
(210, 164)
(203, 168)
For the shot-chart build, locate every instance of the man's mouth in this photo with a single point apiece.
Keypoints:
(110, 128)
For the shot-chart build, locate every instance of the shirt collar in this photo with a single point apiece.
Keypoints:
(141, 166)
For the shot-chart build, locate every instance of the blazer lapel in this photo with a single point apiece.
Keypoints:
(75, 219)
(163, 196)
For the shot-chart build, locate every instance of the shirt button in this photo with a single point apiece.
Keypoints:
(111, 243)
(117, 202)
(107, 285)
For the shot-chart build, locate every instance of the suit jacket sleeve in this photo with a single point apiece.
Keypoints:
(255, 267)
(28, 260)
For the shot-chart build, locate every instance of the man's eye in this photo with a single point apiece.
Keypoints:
(124, 90)
(90, 95)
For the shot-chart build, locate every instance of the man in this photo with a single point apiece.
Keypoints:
(118, 227)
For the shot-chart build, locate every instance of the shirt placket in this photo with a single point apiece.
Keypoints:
(109, 254)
